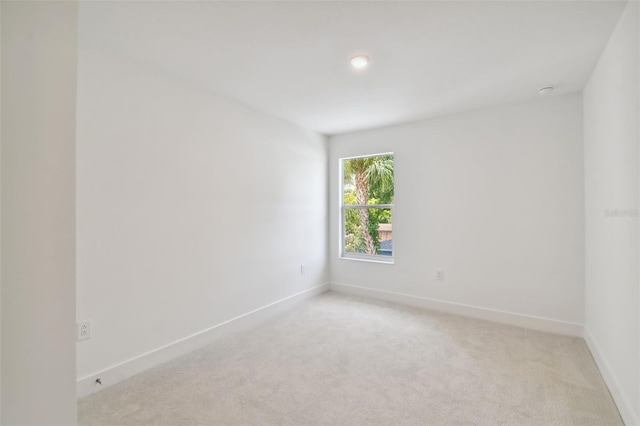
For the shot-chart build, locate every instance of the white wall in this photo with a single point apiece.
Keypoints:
(191, 209)
(495, 198)
(38, 191)
(0, 212)
(611, 140)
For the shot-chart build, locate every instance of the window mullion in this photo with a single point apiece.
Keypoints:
(368, 206)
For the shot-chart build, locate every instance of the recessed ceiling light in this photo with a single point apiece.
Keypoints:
(360, 61)
(546, 90)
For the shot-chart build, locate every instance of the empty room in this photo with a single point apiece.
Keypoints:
(320, 213)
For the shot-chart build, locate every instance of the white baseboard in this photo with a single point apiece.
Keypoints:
(109, 376)
(619, 396)
(510, 318)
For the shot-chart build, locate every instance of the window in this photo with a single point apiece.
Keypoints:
(367, 208)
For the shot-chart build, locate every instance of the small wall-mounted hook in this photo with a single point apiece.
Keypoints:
(99, 381)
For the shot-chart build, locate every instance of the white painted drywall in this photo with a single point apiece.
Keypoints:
(0, 212)
(429, 58)
(493, 197)
(192, 209)
(38, 197)
(611, 138)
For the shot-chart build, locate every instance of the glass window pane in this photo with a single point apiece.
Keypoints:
(368, 231)
(368, 180)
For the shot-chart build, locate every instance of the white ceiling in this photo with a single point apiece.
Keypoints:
(291, 59)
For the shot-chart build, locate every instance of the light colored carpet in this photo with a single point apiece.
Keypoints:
(342, 360)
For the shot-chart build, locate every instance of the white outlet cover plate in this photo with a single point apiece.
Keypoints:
(84, 330)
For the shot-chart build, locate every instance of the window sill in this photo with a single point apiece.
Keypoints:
(388, 261)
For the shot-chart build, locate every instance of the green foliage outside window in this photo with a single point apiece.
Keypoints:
(367, 181)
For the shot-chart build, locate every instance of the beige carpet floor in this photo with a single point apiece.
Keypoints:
(342, 360)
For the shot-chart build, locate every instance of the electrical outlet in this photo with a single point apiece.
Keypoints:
(84, 330)
(439, 275)
(302, 269)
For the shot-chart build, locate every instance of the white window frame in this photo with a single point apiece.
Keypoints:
(375, 258)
